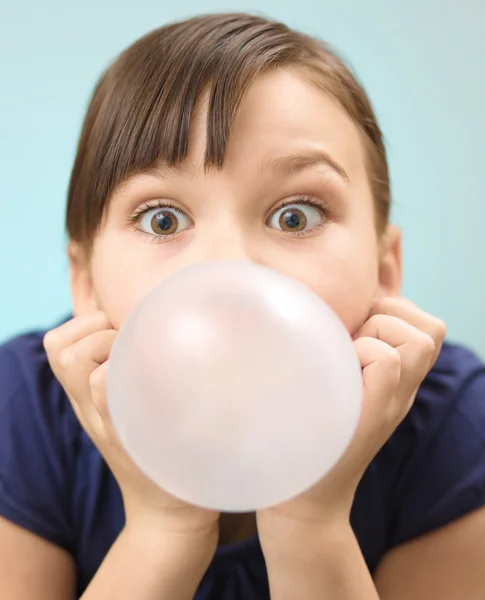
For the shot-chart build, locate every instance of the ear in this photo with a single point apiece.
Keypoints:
(390, 263)
(82, 291)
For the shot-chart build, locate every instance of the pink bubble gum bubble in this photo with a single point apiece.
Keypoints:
(233, 387)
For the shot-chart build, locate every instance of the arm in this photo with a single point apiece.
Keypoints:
(35, 513)
(325, 563)
(166, 544)
(448, 564)
(32, 568)
(147, 564)
(310, 549)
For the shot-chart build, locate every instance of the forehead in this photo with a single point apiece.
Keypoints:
(285, 121)
(283, 113)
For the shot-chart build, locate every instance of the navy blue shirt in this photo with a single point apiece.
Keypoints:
(54, 482)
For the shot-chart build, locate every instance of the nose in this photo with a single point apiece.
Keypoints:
(232, 244)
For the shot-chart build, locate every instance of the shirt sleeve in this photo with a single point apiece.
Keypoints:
(37, 440)
(444, 478)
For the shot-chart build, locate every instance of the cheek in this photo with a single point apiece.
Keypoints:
(343, 271)
(124, 271)
(350, 294)
(347, 281)
(116, 294)
(121, 279)
(347, 286)
(348, 277)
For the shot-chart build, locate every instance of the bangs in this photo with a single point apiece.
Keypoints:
(141, 110)
(142, 107)
(156, 84)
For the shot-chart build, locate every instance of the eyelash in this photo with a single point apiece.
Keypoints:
(134, 218)
(313, 201)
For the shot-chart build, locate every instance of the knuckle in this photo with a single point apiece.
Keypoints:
(67, 358)
(374, 319)
(96, 380)
(427, 344)
(438, 329)
(50, 341)
(391, 356)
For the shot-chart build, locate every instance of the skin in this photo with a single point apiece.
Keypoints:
(309, 547)
(342, 258)
(341, 261)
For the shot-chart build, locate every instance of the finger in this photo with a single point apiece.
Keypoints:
(94, 416)
(77, 363)
(412, 314)
(381, 367)
(381, 374)
(414, 346)
(97, 382)
(72, 331)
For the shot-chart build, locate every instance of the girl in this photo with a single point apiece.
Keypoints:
(233, 137)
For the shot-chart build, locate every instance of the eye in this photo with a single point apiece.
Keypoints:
(298, 217)
(164, 221)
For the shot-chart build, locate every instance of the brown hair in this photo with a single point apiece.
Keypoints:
(141, 108)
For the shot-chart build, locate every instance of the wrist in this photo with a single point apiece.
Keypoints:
(191, 541)
(146, 562)
(286, 540)
(324, 561)
(170, 517)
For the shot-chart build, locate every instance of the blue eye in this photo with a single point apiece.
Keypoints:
(296, 218)
(164, 221)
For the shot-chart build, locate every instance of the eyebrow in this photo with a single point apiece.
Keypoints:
(163, 170)
(295, 163)
(286, 165)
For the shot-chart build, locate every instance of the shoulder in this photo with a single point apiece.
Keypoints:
(39, 441)
(438, 451)
(431, 471)
(29, 389)
(454, 367)
(456, 383)
(22, 357)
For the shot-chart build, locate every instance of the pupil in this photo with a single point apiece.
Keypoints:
(164, 222)
(292, 220)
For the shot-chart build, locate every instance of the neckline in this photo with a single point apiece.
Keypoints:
(241, 549)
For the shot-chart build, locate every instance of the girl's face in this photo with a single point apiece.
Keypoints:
(293, 195)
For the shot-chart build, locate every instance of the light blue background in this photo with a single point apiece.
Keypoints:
(422, 62)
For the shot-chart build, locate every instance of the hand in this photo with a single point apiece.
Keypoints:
(397, 346)
(78, 353)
